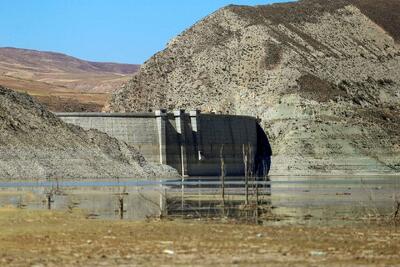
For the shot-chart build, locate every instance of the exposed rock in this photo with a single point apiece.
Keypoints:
(35, 144)
(322, 74)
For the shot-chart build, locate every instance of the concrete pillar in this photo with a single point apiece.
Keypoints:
(161, 116)
(195, 122)
(180, 129)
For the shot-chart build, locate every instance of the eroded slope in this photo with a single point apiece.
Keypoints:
(34, 144)
(323, 75)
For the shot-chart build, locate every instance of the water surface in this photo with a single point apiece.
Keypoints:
(283, 200)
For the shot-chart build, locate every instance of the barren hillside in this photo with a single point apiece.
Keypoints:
(324, 76)
(61, 82)
(35, 144)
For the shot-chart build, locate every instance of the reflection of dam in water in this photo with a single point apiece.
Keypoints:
(139, 199)
(193, 143)
(318, 200)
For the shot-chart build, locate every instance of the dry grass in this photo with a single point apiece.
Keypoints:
(65, 239)
(60, 82)
(65, 96)
(382, 12)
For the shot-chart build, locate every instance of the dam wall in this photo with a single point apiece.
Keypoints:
(138, 129)
(195, 144)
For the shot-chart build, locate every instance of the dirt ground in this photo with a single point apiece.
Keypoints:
(47, 238)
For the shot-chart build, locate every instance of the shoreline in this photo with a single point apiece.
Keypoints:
(158, 180)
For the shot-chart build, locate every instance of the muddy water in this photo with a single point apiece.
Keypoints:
(283, 200)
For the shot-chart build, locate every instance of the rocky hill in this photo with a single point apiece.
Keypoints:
(61, 82)
(34, 144)
(323, 75)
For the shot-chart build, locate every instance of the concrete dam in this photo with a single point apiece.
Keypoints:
(194, 143)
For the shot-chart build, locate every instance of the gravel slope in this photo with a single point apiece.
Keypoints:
(34, 144)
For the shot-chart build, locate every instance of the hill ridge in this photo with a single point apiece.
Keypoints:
(121, 68)
(322, 75)
(60, 81)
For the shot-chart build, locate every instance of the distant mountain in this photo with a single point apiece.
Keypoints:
(62, 82)
(51, 61)
(323, 75)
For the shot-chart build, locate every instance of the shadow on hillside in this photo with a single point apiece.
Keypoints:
(263, 155)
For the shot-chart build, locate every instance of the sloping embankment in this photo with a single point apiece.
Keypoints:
(35, 144)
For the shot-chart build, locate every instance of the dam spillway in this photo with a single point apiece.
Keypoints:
(194, 143)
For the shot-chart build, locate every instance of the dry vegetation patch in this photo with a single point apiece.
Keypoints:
(57, 238)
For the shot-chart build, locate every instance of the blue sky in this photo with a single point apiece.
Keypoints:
(127, 31)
